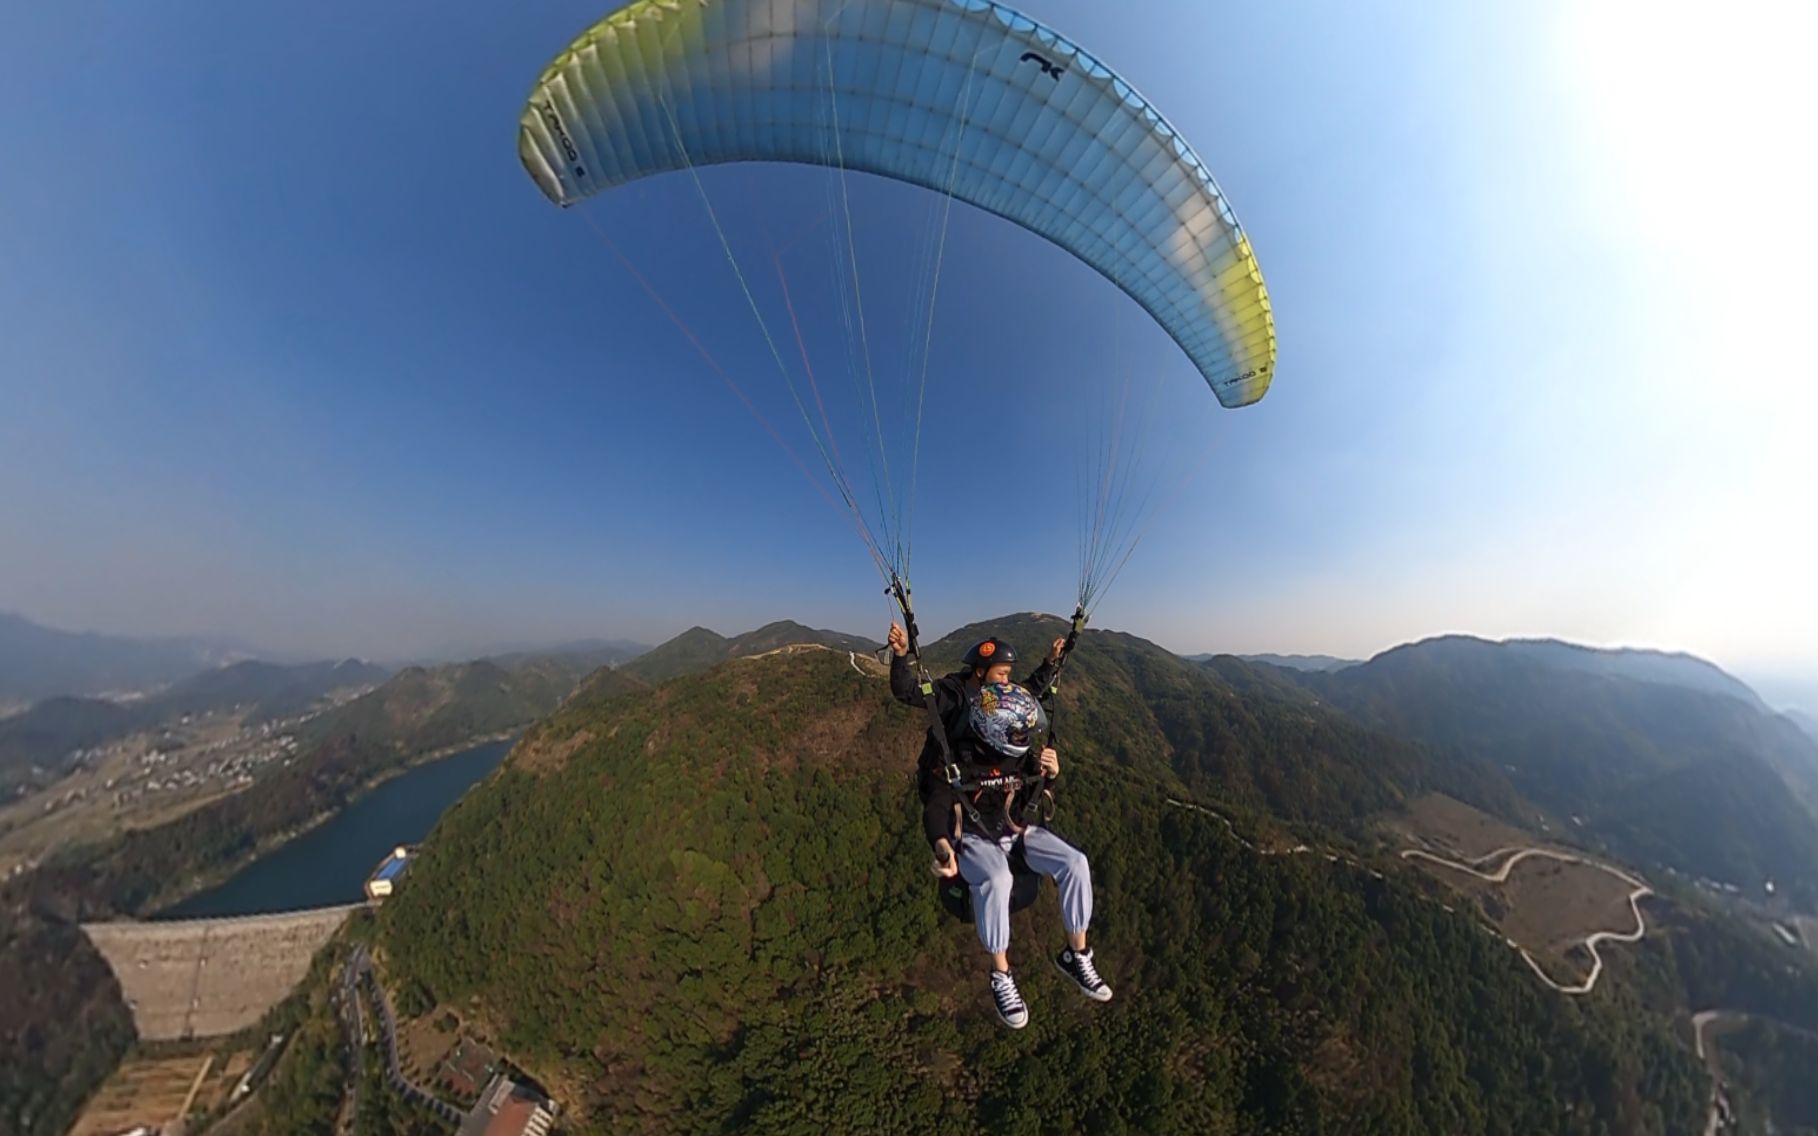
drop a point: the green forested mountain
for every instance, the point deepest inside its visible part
(1242, 733)
(63, 1023)
(697, 648)
(607, 682)
(1697, 959)
(1773, 1065)
(423, 709)
(1663, 774)
(787, 632)
(704, 907)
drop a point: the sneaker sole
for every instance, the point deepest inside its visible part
(999, 1010)
(1102, 995)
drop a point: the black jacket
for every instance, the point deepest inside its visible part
(950, 702)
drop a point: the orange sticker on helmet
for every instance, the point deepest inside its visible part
(987, 649)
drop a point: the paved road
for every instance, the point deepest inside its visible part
(1501, 875)
(360, 967)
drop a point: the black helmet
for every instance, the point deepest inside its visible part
(992, 652)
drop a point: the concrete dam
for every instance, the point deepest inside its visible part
(207, 977)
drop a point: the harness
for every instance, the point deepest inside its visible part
(1046, 697)
(1014, 787)
(969, 784)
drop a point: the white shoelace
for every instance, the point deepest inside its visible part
(1003, 988)
(1084, 965)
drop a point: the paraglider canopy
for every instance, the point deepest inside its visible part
(967, 97)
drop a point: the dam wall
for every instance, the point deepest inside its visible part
(206, 977)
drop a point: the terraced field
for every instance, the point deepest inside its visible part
(158, 1091)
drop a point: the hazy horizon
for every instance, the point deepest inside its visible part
(1780, 688)
(324, 373)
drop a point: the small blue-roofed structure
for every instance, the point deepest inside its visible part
(384, 879)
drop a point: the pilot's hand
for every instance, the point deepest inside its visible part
(946, 864)
(1050, 762)
(1054, 652)
(899, 640)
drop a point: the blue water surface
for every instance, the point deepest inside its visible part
(329, 864)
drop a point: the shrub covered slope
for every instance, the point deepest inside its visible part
(705, 907)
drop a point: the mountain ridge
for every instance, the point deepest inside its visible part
(702, 903)
(699, 648)
(1292, 662)
(38, 662)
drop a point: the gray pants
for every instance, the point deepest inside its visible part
(986, 867)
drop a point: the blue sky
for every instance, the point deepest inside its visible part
(291, 349)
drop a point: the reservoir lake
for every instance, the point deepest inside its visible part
(329, 863)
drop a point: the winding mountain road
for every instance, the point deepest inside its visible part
(360, 967)
(1501, 875)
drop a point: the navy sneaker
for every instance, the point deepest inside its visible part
(1010, 1008)
(1078, 967)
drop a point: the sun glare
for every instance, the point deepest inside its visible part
(1695, 127)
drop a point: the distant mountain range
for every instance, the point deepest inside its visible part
(39, 662)
(598, 652)
(1664, 757)
(698, 648)
(268, 690)
(1292, 662)
(35, 742)
(606, 650)
(45, 735)
(1673, 668)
